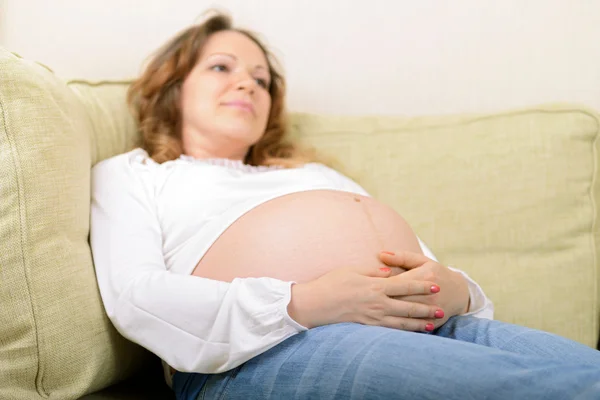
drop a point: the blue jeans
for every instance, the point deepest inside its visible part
(467, 358)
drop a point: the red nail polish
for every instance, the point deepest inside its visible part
(439, 314)
(435, 288)
(385, 269)
(429, 327)
(391, 253)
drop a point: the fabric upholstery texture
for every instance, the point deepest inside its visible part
(55, 339)
(509, 197)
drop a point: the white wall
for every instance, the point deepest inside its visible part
(352, 56)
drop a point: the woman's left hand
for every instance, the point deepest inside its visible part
(453, 296)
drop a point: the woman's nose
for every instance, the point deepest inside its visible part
(246, 82)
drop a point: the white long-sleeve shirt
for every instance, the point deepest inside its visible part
(150, 225)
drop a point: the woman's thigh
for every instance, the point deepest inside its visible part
(352, 361)
(517, 339)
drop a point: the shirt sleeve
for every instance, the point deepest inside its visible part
(192, 323)
(481, 306)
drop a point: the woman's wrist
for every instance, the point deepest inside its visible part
(464, 294)
(299, 308)
(467, 307)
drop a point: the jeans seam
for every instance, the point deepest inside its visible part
(228, 379)
(202, 394)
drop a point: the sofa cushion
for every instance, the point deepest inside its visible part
(511, 198)
(55, 339)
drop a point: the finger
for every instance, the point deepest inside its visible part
(423, 299)
(409, 287)
(419, 274)
(400, 308)
(380, 272)
(398, 271)
(403, 258)
(408, 324)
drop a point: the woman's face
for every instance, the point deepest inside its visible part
(225, 99)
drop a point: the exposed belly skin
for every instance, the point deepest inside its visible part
(301, 236)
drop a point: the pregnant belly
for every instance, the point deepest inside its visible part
(301, 236)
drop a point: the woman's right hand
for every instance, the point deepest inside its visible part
(365, 297)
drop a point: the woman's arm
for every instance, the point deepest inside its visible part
(192, 323)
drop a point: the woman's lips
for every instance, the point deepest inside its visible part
(244, 105)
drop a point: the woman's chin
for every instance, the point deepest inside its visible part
(242, 132)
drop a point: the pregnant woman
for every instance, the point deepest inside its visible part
(255, 272)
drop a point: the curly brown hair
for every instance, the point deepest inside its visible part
(154, 98)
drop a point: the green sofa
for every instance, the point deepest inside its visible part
(510, 197)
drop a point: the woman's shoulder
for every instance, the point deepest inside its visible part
(324, 168)
(316, 165)
(123, 161)
(123, 168)
(122, 180)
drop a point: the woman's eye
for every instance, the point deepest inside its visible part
(219, 68)
(262, 83)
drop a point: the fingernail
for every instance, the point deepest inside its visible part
(439, 314)
(435, 288)
(391, 253)
(385, 269)
(429, 327)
